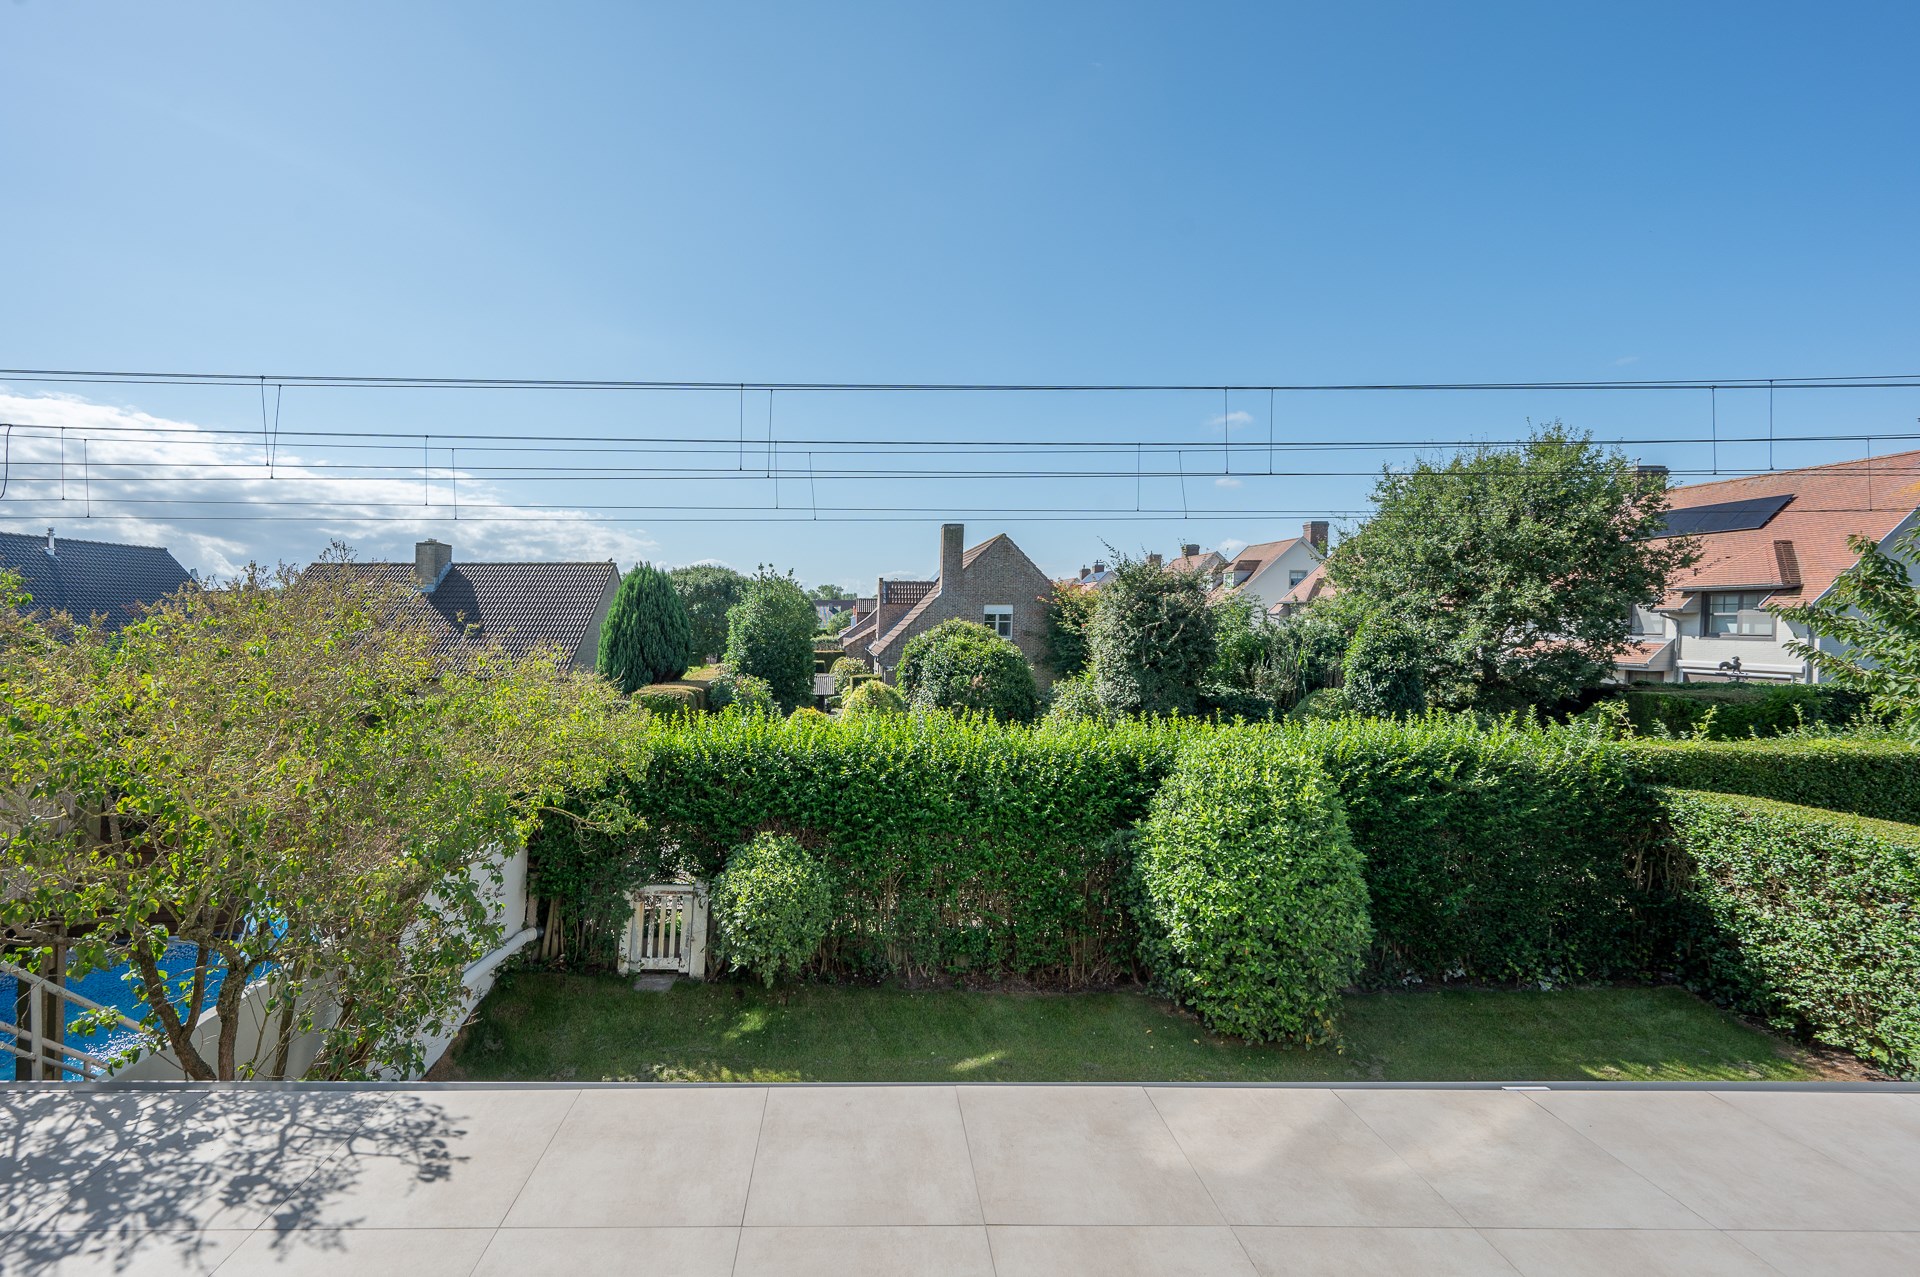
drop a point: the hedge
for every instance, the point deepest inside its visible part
(1867, 776)
(1253, 909)
(1808, 917)
(1729, 712)
(959, 849)
(1500, 853)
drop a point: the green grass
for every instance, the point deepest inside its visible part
(541, 1026)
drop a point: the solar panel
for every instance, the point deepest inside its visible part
(1725, 516)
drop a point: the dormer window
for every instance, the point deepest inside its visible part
(1738, 614)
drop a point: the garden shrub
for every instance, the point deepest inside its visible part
(1499, 852)
(771, 906)
(744, 692)
(1724, 711)
(1229, 703)
(871, 696)
(1326, 702)
(1152, 640)
(963, 665)
(1808, 917)
(846, 672)
(666, 698)
(1384, 668)
(1074, 700)
(962, 849)
(770, 636)
(646, 636)
(1867, 776)
(1253, 903)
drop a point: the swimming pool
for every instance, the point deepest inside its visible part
(109, 988)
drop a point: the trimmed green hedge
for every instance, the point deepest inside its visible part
(1810, 918)
(1502, 852)
(1867, 777)
(1253, 907)
(1737, 712)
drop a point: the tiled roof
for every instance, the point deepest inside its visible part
(88, 578)
(1797, 554)
(520, 606)
(904, 592)
(1202, 562)
(1267, 551)
(919, 608)
(1312, 586)
(1643, 654)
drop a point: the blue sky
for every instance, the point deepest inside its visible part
(982, 192)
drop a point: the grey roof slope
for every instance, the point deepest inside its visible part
(88, 578)
(520, 606)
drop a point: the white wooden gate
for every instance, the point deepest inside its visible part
(668, 930)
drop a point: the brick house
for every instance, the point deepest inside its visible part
(994, 583)
(1766, 542)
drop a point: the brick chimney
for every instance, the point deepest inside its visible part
(1153, 560)
(1085, 571)
(953, 548)
(1315, 531)
(1190, 551)
(431, 559)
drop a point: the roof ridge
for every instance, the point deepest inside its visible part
(41, 537)
(1783, 474)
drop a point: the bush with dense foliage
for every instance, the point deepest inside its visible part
(1521, 565)
(1866, 775)
(963, 665)
(1726, 711)
(1498, 852)
(771, 907)
(1070, 611)
(1074, 700)
(1807, 917)
(709, 593)
(770, 636)
(646, 637)
(743, 693)
(871, 696)
(1871, 621)
(1253, 904)
(847, 671)
(1278, 661)
(1153, 639)
(1386, 667)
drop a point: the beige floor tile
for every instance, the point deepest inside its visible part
(1117, 1251)
(123, 1254)
(1605, 1252)
(456, 1160)
(1504, 1162)
(1854, 1254)
(589, 1252)
(1078, 1155)
(1295, 1156)
(941, 1251)
(1874, 1134)
(1372, 1252)
(1733, 1171)
(646, 1157)
(862, 1155)
(363, 1252)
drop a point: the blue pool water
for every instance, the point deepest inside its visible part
(110, 989)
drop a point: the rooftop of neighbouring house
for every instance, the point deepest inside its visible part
(1785, 533)
(91, 578)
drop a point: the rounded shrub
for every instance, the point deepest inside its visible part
(745, 692)
(963, 665)
(772, 904)
(1076, 701)
(1385, 668)
(808, 714)
(846, 672)
(1253, 903)
(770, 636)
(873, 698)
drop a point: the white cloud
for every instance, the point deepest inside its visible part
(1226, 482)
(1232, 421)
(1624, 360)
(1230, 547)
(213, 479)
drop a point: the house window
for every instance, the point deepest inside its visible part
(1296, 576)
(999, 619)
(1739, 614)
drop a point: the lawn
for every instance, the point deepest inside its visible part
(540, 1026)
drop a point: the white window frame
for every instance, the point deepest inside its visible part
(998, 617)
(1745, 618)
(1297, 575)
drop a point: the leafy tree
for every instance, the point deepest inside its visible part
(846, 672)
(964, 665)
(824, 592)
(1278, 661)
(770, 635)
(1152, 641)
(837, 622)
(1522, 565)
(647, 637)
(1069, 617)
(1873, 614)
(1386, 667)
(284, 778)
(709, 593)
